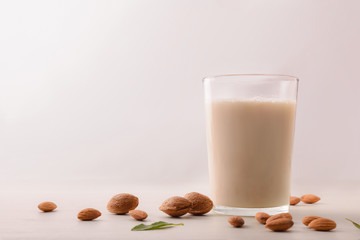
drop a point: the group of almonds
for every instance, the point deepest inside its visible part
(119, 204)
(199, 204)
(307, 198)
(283, 221)
(193, 203)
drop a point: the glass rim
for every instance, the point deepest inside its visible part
(284, 77)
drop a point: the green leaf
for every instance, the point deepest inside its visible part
(154, 226)
(355, 224)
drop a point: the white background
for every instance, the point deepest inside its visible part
(112, 89)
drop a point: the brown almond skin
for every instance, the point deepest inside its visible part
(261, 217)
(201, 204)
(47, 206)
(122, 203)
(308, 219)
(309, 198)
(277, 216)
(176, 206)
(88, 214)
(280, 224)
(236, 221)
(294, 200)
(138, 214)
(322, 224)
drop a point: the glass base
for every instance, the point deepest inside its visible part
(250, 211)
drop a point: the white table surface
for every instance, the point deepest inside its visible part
(20, 218)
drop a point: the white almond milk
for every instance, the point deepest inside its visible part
(250, 148)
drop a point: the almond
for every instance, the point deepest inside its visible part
(47, 206)
(236, 221)
(261, 217)
(176, 206)
(138, 214)
(277, 216)
(309, 198)
(280, 224)
(201, 203)
(122, 203)
(322, 224)
(88, 214)
(308, 219)
(294, 200)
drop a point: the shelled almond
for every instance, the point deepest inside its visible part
(47, 206)
(236, 221)
(294, 200)
(309, 198)
(261, 217)
(322, 224)
(279, 224)
(88, 214)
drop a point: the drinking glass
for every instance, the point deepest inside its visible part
(250, 122)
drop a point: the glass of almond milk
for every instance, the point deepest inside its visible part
(250, 130)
